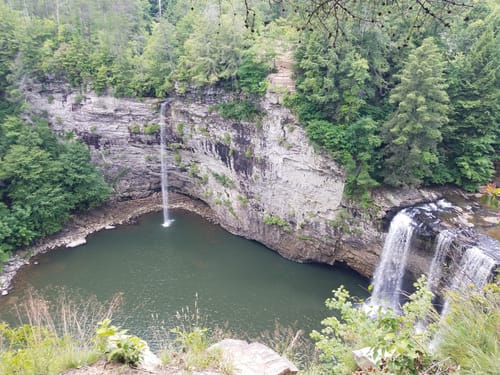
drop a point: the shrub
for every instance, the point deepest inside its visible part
(276, 220)
(117, 345)
(392, 337)
(223, 180)
(58, 336)
(177, 159)
(191, 341)
(194, 169)
(135, 129)
(242, 199)
(151, 129)
(238, 110)
(180, 129)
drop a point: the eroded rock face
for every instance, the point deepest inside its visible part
(263, 180)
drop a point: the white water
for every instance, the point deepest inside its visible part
(164, 173)
(474, 269)
(443, 242)
(388, 277)
(473, 272)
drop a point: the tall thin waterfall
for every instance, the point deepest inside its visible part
(164, 173)
(388, 277)
(443, 243)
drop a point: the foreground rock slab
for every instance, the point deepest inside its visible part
(254, 358)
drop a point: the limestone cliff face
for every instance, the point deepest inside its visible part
(263, 180)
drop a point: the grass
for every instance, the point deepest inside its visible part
(187, 345)
(470, 333)
(293, 344)
(52, 338)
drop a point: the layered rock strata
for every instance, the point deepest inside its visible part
(262, 179)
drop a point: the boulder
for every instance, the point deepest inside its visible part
(77, 242)
(254, 358)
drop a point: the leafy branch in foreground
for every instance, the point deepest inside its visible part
(392, 340)
(118, 345)
(465, 341)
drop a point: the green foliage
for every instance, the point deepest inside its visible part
(33, 350)
(188, 351)
(223, 180)
(389, 336)
(490, 195)
(242, 199)
(465, 341)
(251, 76)
(151, 129)
(238, 110)
(413, 132)
(210, 46)
(177, 159)
(41, 182)
(352, 99)
(227, 139)
(118, 345)
(180, 129)
(194, 169)
(470, 331)
(342, 221)
(343, 89)
(135, 129)
(58, 337)
(193, 343)
(276, 220)
(472, 137)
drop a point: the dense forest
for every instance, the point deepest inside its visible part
(398, 99)
(401, 93)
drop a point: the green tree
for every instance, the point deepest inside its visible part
(472, 139)
(213, 50)
(42, 181)
(412, 134)
(9, 47)
(153, 75)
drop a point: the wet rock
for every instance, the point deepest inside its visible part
(77, 242)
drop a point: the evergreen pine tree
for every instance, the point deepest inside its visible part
(413, 132)
(472, 138)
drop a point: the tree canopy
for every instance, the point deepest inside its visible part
(401, 93)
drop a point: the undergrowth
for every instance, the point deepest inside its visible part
(52, 337)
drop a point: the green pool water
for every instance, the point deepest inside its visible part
(236, 282)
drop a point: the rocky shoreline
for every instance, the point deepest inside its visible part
(107, 216)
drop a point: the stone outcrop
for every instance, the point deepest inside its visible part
(253, 359)
(263, 180)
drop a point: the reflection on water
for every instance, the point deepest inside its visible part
(161, 270)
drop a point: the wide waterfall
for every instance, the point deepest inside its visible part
(388, 277)
(164, 173)
(425, 239)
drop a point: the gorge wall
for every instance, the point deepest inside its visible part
(262, 179)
